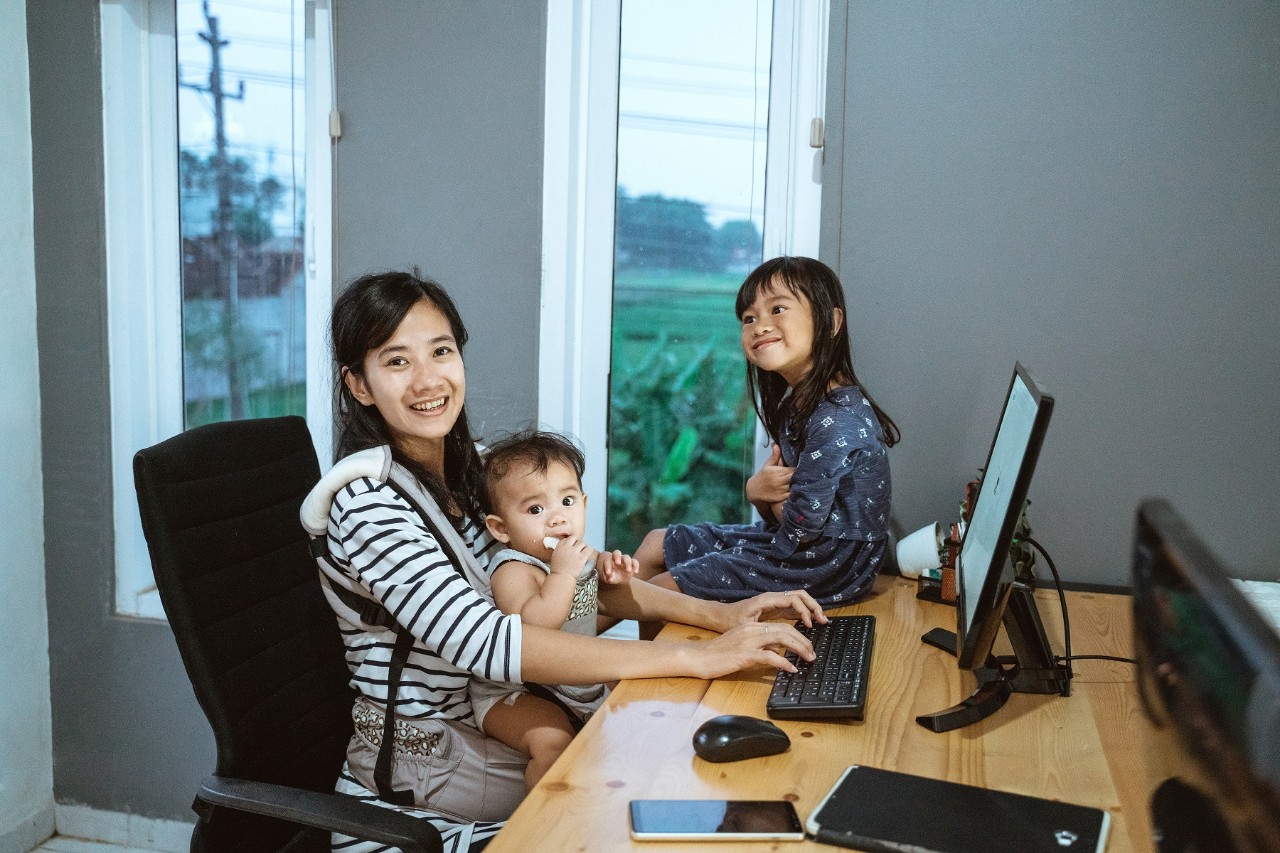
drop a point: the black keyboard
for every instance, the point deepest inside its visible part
(834, 684)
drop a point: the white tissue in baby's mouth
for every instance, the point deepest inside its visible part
(551, 542)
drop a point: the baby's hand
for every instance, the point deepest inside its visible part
(616, 567)
(570, 556)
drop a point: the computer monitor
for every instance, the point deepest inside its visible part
(988, 593)
(1209, 681)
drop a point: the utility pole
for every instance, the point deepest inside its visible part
(224, 232)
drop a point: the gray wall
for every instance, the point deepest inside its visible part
(1092, 188)
(440, 166)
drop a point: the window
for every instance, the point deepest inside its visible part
(215, 120)
(726, 88)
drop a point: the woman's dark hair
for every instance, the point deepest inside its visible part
(531, 449)
(832, 357)
(365, 316)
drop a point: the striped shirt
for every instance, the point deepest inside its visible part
(380, 546)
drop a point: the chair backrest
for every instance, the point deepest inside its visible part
(219, 506)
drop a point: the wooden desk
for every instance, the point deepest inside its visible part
(1085, 748)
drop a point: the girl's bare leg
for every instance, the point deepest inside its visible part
(649, 555)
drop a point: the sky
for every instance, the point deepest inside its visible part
(693, 97)
(693, 102)
(264, 50)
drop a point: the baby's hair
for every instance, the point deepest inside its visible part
(832, 357)
(529, 449)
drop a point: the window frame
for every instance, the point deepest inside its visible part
(579, 188)
(144, 260)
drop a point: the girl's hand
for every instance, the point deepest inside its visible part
(616, 567)
(570, 556)
(756, 644)
(796, 604)
(770, 487)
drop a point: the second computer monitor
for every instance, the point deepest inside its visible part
(984, 578)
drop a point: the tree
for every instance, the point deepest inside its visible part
(657, 232)
(739, 244)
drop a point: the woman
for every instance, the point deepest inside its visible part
(401, 384)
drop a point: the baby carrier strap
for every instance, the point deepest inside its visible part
(376, 463)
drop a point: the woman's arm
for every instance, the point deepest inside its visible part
(557, 657)
(646, 602)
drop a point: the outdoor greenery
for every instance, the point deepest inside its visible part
(271, 402)
(230, 270)
(681, 428)
(655, 232)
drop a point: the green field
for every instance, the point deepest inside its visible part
(290, 399)
(681, 427)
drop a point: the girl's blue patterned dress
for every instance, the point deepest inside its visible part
(835, 527)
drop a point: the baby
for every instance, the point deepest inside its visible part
(547, 574)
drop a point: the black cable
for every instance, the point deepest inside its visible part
(1066, 625)
(1062, 600)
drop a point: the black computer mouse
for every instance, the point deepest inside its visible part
(733, 737)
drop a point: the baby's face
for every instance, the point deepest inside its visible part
(533, 506)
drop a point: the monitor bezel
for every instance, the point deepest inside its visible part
(974, 640)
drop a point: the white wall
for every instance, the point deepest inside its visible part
(26, 739)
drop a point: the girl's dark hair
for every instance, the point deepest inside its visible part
(832, 357)
(365, 316)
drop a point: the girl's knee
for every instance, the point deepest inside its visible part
(649, 555)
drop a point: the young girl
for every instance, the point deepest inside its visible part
(824, 493)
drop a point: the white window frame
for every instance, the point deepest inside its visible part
(143, 253)
(579, 187)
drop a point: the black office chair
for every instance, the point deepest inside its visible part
(219, 507)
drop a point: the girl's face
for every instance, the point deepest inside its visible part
(417, 382)
(777, 333)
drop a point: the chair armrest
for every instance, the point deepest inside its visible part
(332, 812)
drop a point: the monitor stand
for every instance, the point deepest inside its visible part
(1031, 669)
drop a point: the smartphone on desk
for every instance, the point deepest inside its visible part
(715, 820)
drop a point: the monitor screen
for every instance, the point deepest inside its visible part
(1209, 680)
(984, 578)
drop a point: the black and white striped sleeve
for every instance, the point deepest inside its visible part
(393, 555)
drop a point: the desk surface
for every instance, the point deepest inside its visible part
(1083, 749)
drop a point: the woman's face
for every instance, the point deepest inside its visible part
(417, 382)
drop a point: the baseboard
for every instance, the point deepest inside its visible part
(30, 833)
(126, 830)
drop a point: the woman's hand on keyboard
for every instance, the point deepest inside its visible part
(794, 605)
(753, 644)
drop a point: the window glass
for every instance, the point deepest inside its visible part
(241, 182)
(692, 118)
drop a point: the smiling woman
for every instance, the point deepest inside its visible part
(406, 573)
